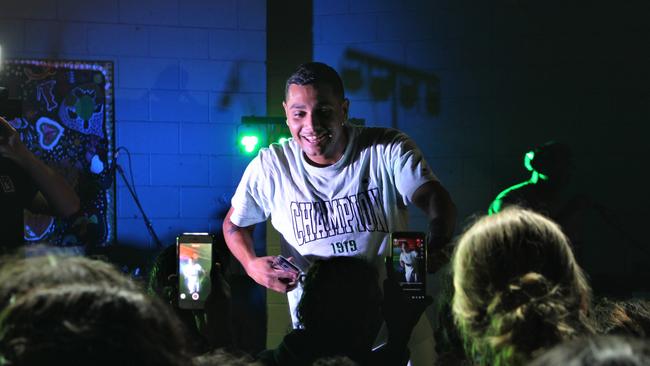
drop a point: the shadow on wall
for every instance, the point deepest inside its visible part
(232, 85)
(385, 80)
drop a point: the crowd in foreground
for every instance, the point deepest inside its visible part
(515, 296)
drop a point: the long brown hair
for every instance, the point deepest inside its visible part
(517, 287)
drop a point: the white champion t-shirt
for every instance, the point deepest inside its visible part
(348, 208)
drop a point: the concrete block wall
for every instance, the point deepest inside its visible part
(442, 39)
(409, 35)
(513, 75)
(185, 73)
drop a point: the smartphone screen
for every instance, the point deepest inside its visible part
(194, 266)
(408, 258)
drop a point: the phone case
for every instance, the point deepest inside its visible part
(283, 263)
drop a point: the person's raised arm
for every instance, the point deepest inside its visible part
(435, 201)
(240, 242)
(58, 197)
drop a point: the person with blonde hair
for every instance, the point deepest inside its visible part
(517, 288)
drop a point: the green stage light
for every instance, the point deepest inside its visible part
(256, 132)
(249, 142)
(251, 137)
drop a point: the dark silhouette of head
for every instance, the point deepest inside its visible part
(554, 161)
(75, 310)
(82, 324)
(517, 287)
(335, 361)
(221, 357)
(341, 303)
(19, 275)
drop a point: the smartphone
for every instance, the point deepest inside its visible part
(408, 256)
(194, 254)
(283, 263)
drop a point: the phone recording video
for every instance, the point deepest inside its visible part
(194, 266)
(408, 259)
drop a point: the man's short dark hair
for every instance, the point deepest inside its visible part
(316, 73)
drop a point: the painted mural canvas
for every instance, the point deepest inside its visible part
(68, 122)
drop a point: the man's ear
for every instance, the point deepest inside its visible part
(345, 107)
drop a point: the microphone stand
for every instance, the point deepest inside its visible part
(147, 223)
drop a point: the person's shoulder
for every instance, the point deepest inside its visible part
(279, 152)
(379, 135)
(278, 157)
(378, 131)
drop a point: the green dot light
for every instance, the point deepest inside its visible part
(249, 142)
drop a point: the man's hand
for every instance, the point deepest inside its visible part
(240, 242)
(261, 270)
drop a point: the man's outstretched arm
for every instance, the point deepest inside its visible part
(240, 242)
(435, 201)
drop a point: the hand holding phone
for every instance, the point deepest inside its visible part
(285, 264)
(262, 271)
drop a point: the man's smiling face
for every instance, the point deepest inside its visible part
(315, 117)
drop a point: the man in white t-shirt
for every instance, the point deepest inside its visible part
(409, 260)
(333, 189)
(192, 271)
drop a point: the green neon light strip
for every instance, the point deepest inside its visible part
(534, 178)
(527, 160)
(496, 204)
